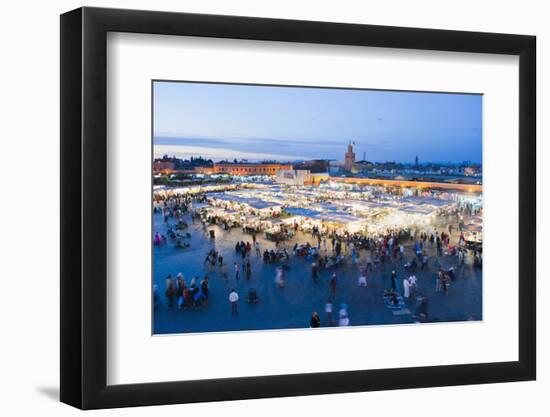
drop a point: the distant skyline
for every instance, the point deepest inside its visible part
(228, 121)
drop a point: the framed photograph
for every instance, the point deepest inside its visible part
(256, 208)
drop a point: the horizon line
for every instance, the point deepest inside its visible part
(280, 161)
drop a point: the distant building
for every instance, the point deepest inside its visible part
(293, 177)
(416, 161)
(204, 170)
(472, 170)
(165, 167)
(300, 177)
(171, 164)
(359, 166)
(249, 168)
(349, 158)
(315, 166)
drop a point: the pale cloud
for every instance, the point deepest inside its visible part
(186, 151)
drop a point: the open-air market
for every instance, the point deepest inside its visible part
(252, 233)
(383, 254)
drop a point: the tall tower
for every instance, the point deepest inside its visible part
(349, 158)
(416, 161)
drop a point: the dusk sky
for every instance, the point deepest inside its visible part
(224, 121)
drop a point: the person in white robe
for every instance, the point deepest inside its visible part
(406, 288)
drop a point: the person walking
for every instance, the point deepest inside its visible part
(328, 311)
(180, 284)
(170, 291)
(446, 284)
(204, 287)
(280, 277)
(406, 288)
(413, 285)
(369, 263)
(333, 285)
(393, 281)
(236, 266)
(424, 264)
(343, 315)
(439, 282)
(314, 272)
(362, 281)
(233, 299)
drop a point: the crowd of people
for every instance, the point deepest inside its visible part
(329, 251)
(179, 293)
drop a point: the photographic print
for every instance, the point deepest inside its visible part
(297, 207)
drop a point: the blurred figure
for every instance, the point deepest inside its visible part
(343, 314)
(233, 299)
(333, 285)
(406, 288)
(413, 285)
(328, 311)
(315, 320)
(280, 277)
(314, 272)
(362, 280)
(170, 291)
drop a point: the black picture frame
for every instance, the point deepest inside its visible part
(84, 207)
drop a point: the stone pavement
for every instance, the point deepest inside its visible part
(292, 306)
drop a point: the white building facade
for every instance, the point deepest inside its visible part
(294, 177)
